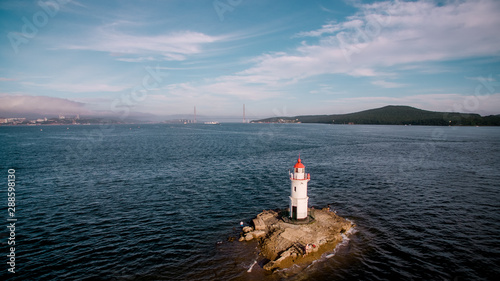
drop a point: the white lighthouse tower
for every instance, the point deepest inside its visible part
(298, 196)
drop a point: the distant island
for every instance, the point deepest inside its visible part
(393, 115)
(284, 242)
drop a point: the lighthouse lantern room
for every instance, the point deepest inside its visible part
(298, 196)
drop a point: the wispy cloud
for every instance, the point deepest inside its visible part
(482, 79)
(228, 87)
(174, 46)
(390, 35)
(79, 87)
(7, 79)
(328, 28)
(387, 34)
(395, 33)
(386, 84)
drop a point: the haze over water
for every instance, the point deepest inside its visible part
(154, 202)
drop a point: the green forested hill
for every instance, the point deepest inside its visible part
(394, 115)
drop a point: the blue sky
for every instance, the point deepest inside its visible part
(128, 58)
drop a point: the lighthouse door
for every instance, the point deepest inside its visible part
(294, 212)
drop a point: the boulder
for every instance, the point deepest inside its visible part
(265, 219)
(259, 234)
(247, 229)
(259, 224)
(248, 236)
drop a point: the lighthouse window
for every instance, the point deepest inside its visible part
(294, 188)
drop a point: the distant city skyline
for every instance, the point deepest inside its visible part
(277, 58)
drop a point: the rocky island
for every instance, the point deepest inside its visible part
(285, 242)
(298, 234)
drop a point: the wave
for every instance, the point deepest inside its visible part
(344, 242)
(251, 266)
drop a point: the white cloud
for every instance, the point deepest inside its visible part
(223, 87)
(386, 84)
(387, 34)
(79, 88)
(23, 104)
(3, 79)
(396, 33)
(328, 28)
(363, 72)
(482, 79)
(380, 36)
(136, 48)
(138, 59)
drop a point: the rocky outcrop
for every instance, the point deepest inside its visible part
(284, 242)
(249, 233)
(247, 229)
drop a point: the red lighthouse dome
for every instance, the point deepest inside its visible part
(299, 164)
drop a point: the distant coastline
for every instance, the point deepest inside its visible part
(393, 115)
(388, 115)
(59, 121)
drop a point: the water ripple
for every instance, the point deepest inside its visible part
(159, 202)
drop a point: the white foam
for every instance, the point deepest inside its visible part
(250, 268)
(344, 242)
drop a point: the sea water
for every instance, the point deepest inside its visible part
(159, 201)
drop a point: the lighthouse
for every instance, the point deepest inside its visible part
(298, 194)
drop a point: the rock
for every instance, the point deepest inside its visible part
(259, 234)
(247, 229)
(267, 215)
(259, 224)
(241, 239)
(248, 236)
(284, 256)
(264, 219)
(269, 266)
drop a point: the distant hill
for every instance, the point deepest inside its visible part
(394, 115)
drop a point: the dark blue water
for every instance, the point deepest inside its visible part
(158, 202)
